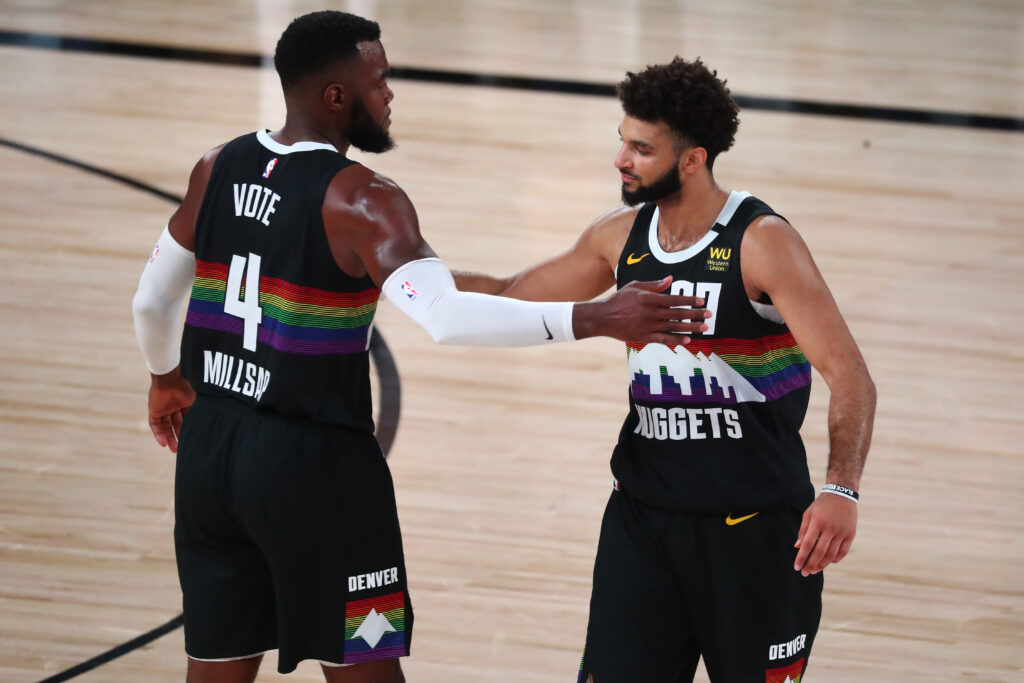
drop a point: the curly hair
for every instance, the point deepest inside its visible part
(315, 41)
(689, 98)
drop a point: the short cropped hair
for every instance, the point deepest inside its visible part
(315, 41)
(689, 98)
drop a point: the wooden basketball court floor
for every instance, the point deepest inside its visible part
(501, 456)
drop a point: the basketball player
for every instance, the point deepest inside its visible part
(712, 543)
(286, 532)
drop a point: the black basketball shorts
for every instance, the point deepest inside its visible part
(670, 588)
(287, 538)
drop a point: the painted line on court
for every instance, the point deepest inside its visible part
(114, 653)
(390, 405)
(96, 170)
(551, 85)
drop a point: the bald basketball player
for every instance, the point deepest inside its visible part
(713, 542)
(286, 532)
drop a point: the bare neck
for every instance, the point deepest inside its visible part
(299, 127)
(687, 216)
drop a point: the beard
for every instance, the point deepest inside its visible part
(665, 186)
(366, 134)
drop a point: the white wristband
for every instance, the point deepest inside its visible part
(842, 491)
(425, 291)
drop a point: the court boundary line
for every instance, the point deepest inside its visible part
(931, 117)
(387, 422)
(96, 170)
(118, 651)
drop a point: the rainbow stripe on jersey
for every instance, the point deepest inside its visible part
(773, 366)
(296, 319)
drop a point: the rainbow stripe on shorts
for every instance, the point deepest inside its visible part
(375, 629)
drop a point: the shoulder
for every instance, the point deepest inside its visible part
(363, 204)
(772, 254)
(356, 184)
(770, 233)
(611, 229)
(619, 218)
(204, 167)
(182, 223)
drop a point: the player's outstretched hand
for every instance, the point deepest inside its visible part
(170, 397)
(826, 533)
(641, 313)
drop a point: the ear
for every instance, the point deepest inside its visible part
(693, 160)
(335, 96)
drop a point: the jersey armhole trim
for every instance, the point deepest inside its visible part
(766, 311)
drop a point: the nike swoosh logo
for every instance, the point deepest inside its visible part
(733, 521)
(550, 336)
(631, 259)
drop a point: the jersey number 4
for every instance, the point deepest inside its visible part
(247, 309)
(709, 291)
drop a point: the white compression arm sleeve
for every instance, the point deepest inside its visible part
(425, 291)
(164, 284)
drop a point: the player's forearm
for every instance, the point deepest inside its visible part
(479, 282)
(851, 418)
(163, 287)
(426, 291)
(538, 283)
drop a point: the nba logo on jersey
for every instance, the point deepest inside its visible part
(270, 167)
(409, 291)
(156, 251)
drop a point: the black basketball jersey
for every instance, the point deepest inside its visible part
(713, 426)
(273, 321)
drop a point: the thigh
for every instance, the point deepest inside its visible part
(325, 514)
(762, 615)
(638, 629)
(227, 591)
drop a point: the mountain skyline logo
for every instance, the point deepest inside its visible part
(373, 628)
(658, 373)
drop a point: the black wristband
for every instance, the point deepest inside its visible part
(838, 490)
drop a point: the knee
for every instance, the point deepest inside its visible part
(234, 671)
(386, 671)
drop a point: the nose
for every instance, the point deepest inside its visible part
(623, 160)
(389, 96)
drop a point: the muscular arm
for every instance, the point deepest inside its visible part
(167, 277)
(776, 262)
(372, 228)
(182, 224)
(371, 225)
(583, 272)
(163, 287)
